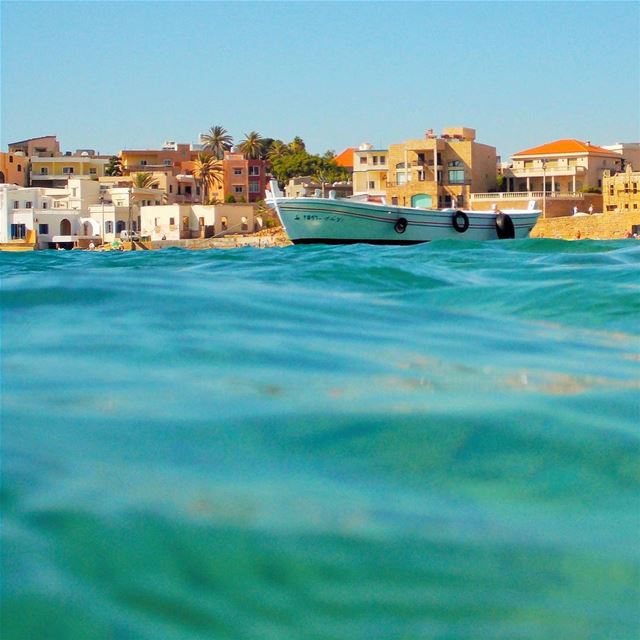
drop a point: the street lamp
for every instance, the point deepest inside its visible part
(544, 187)
(102, 229)
(129, 223)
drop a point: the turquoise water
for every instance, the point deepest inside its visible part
(438, 441)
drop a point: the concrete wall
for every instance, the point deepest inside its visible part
(599, 226)
(554, 207)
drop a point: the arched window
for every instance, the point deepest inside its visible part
(65, 227)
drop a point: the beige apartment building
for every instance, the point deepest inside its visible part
(565, 166)
(439, 171)
(370, 169)
(621, 191)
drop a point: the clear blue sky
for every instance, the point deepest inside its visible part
(113, 75)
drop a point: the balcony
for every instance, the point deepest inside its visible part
(528, 195)
(149, 167)
(548, 171)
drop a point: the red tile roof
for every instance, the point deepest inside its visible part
(565, 146)
(345, 159)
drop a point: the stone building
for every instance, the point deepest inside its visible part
(621, 191)
(440, 171)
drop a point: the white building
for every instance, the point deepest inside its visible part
(24, 209)
(630, 151)
(181, 221)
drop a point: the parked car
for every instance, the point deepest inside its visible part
(124, 235)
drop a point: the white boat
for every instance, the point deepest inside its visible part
(317, 220)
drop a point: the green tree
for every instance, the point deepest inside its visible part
(207, 171)
(114, 166)
(217, 141)
(297, 145)
(278, 150)
(266, 145)
(251, 146)
(144, 181)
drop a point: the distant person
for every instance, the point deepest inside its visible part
(590, 209)
(575, 210)
(91, 246)
(578, 235)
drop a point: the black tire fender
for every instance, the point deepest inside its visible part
(460, 221)
(504, 227)
(401, 225)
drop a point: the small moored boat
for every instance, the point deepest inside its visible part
(309, 220)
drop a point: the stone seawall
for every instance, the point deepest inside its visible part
(599, 226)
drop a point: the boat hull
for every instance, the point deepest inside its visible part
(333, 221)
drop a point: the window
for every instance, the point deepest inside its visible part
(167, 163)
(172, 221)
(120, 226)
(374, 159)
(454, 163)
(170, 188)
(44, 171)
(67, 169)
(372, 184)
(45, 205)
(456, 176)
(143, 163)
(363, 159)
(237, 172)
(28, 204)
(254, 187)
(43, 228)
(18, 231)
(237, 189)
(10, 158)
(254, 171)
(383, 159)
(421, 158)
(19, 167)
(108, 226)
(16, 204)
(92, 171)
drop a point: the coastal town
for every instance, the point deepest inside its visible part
(212, 193)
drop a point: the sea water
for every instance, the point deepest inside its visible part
(357, 442)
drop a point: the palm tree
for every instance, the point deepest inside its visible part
(217, 140)
(251, 146)
(144, 181)
(208, 172)
(278, 150)
(297, 145)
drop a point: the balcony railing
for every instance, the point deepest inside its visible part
(441, 183)
(528, 195)
(548, 171)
